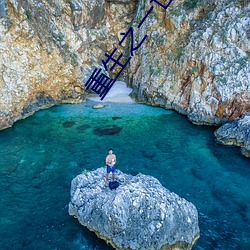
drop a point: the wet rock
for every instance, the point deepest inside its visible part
(82, 128)
(114, 118)
(68, 124)
(236, 133)
(98, 106)
(140, 202)
(108, 130)
(41, 101)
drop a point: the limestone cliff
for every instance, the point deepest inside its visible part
(196, 59)
(48, 49)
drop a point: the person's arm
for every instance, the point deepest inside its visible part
(107, 160)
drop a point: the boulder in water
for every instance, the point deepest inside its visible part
(68, 124)
(236, 133)
(139, 214)
(108, 130)
(98, 106)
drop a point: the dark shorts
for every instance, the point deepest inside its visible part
(110, 169)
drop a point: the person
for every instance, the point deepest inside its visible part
(110, 164)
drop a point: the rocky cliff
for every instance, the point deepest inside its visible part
(195, 59)
(140, 214)
(48, 49)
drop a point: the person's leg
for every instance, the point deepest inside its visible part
(107, 175)
(113, 173)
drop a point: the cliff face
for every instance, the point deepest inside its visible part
(48, 49)
(195, 59)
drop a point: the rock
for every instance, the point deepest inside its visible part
(78, 89)
(236, 133)
(140, 214)
(68, 124)
(98, 106)
(108, 130)
(53, 48)
(82, 128)
(114, 118)
(195, 59)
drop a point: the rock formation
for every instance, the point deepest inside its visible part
(195, 59)
(140, 214)
(48, 49)
(236, 133)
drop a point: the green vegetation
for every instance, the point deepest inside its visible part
(179, 53)
(194, 69)
(161, 40)
(74, 60)
(175, 12)
(28, 14)
(190, 4)
(151, 69)
(158, 71)
(60, 37)
(222, 79)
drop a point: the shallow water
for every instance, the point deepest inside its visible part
(39, 156)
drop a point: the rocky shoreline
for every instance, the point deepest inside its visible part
(236, 133)
(140, 214)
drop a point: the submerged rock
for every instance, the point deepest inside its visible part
(236, 133)
(114, 118)
(82, 128)
(68, 124)
(109, 130)
(140, 214)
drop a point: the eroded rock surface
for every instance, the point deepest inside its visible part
(236, 133)
(195, 59)
(140, 214)
(48, 50)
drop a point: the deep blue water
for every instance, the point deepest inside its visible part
(39, 156)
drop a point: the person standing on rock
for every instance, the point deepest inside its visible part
(110, 164)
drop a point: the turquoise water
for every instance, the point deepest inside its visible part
(39, 156)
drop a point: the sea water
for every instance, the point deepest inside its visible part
(39, 156)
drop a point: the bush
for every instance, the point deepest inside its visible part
(28, 14)
(190, 4)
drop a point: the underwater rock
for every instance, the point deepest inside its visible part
(82, 128)
(68, 124)
(148, 153)
(236, 133)
(140, 202)
(114, 118)
(108, 130)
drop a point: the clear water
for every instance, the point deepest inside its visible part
(39, 156)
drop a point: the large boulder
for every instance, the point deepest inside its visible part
(236, 133)
(140, 214)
